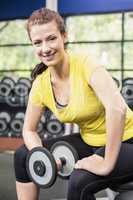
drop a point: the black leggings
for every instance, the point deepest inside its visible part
(82, 184)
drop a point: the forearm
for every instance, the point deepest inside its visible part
(115, 122)
(31, 139)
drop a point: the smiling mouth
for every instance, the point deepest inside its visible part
(48, 56)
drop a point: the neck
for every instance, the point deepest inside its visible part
(60, 71)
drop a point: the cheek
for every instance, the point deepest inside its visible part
(37, 51)
(59, 44)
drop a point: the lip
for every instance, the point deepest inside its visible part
(49, 57)
(46, 56)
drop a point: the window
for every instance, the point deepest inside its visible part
(108, 37)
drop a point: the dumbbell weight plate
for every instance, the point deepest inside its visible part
(4, 89)
(41, 167)
(25, 80)
(54, 127)
(3, 127)
(6, 116)
(20, 115)
(9, 81)
(16, 126)
(64, 149)
(127, 91)
(13, 101)
(21, 89)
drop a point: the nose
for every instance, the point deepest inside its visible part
(46, 49)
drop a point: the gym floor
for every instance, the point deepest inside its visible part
(7, 183)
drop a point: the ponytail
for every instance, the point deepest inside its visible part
(39, 68)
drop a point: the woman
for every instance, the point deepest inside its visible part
(77, 90)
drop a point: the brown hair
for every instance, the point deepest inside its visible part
(39, 17)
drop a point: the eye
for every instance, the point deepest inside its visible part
(52, 38)
(37, 43)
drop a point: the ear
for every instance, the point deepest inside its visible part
(64, 37)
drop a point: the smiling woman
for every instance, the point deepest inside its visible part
(48, 43)
(77, 90)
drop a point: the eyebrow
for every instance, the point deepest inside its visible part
(48, 37)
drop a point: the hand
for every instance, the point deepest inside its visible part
(59, 164)
(95, 164)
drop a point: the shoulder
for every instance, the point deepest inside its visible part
(40, 79)
(84, 58)
(84, 62)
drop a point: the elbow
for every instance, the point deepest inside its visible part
(23, 132)
(26, 131)
(124, 110)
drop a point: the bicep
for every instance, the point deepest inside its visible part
(32, 116)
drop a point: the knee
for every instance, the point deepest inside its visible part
(78, 180)
(80, 185)
(20, 164)
(20, 156)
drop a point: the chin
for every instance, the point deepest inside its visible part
(51, 63)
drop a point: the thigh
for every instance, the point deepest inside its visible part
(83, 183)
(123, 170)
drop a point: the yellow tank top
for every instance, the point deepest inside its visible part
(84, 108)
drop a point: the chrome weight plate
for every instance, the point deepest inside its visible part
(66, 152)
(41, 167)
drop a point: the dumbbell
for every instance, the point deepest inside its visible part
(9, 81)
(54, 127)
(5, 119)
(16, 124)
(26, 81)
(42, 167)
(40, 128)
(4, 90)
(21, 90)
(6, 86)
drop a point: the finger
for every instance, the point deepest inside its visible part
(78, 165)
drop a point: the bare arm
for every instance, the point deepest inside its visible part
(115, 110)
(32, 117)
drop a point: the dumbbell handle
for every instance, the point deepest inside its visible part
(60, 162)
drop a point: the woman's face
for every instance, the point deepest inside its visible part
(48, 43)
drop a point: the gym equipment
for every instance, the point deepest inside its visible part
(17, 124)
(26, 81)
(128, 80)
(41, 164)
(40, 127)
(9, 81)
(6, 87)
(21, 90)
(121, 192)
(67, 154)
(54, 127)
(12, 101)
(125, 191)
(5, 119)
(3, 127)
(4, 90)
(127, 91)
(6, 116)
